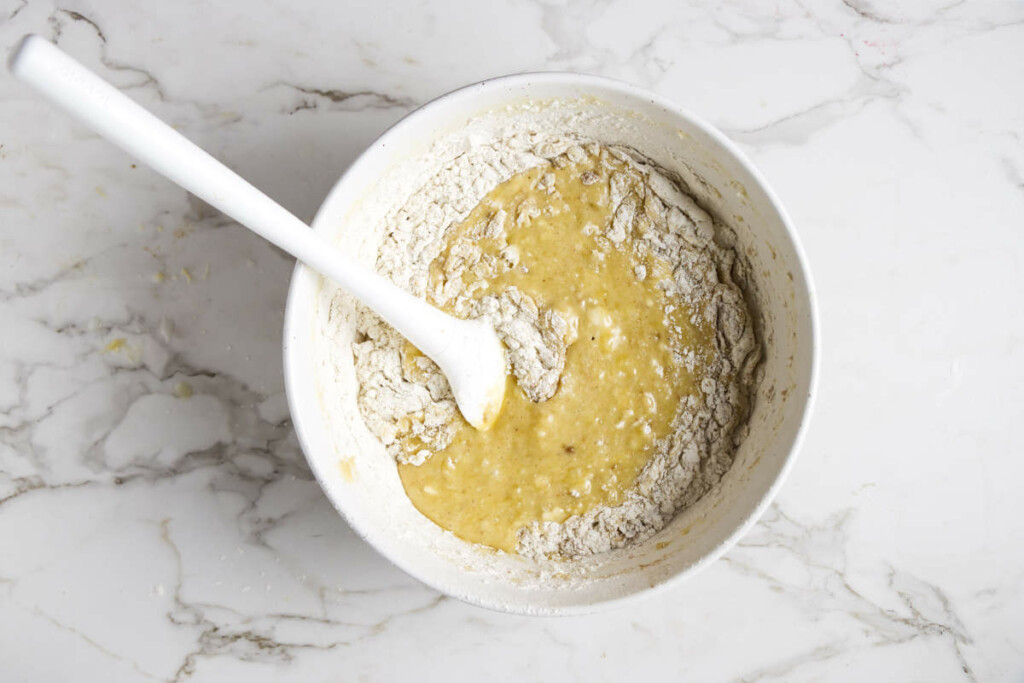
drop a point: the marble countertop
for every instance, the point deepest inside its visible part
(158, 520)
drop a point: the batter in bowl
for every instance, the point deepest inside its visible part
(632, 354)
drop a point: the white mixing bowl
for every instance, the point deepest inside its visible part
(359, 477)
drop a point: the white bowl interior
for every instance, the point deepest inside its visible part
(361, 479)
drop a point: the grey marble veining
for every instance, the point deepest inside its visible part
(158, 520)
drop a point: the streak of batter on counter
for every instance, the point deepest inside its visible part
(624, 309)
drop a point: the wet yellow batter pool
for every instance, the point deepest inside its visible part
(620, 388)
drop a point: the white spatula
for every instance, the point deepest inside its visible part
(468, 352)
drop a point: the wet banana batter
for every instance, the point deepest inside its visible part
(580, 423)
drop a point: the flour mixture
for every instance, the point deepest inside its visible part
(630, 343)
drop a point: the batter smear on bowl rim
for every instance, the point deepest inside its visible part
(631, 344)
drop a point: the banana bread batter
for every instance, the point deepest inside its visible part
(550, 457)
(631, 349)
